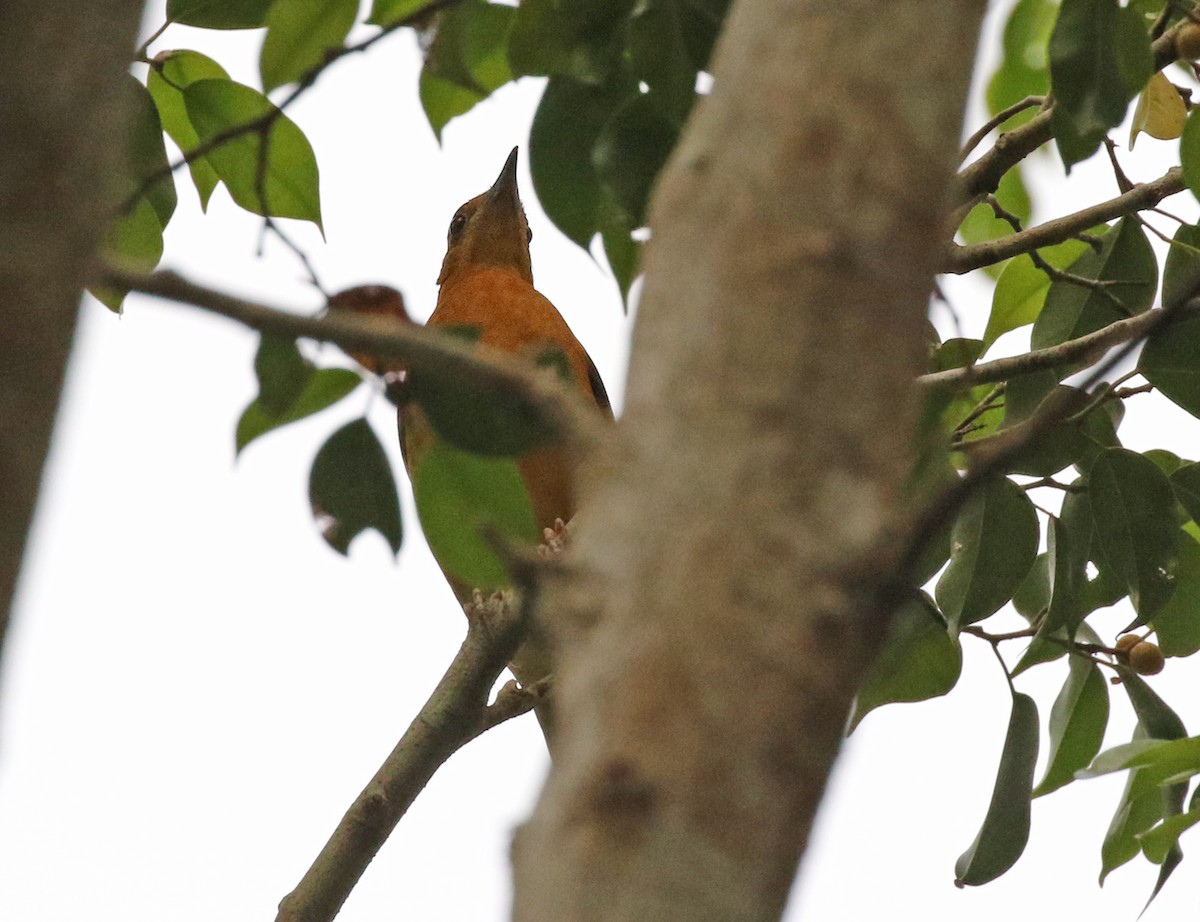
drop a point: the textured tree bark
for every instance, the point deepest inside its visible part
(60, 67)
(729, 605)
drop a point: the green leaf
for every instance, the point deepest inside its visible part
(565, 128)
(1033, 595)
(1158, 842)
(1166, 461)
(147, 154)
(170, 73)
(299, 34)
(1068, 573)
(459, 498)
(325, 388)
(1136, 812)
(631, 150)
(351, 488)
(1181, 271)
(1169, 362)
(1128, 271)
(1189, 153)
(1023, 71)
(1046, 648)
(1133, 510)
(981, 223)
(1177, 623)
(467, 61)
(386, 12)
(134, 241)
(1077, 723)
(1005, 829)
(1099, 60)
(582, 39)
(290, 181)
(1021, 289)
(219, 14)
(918, 660)
(993, 544)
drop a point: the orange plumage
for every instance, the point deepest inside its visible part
(486, 282)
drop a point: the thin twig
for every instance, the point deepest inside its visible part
(962, 259)
(456, 713)
(1131, 328)
(419, 349)
(996, 121)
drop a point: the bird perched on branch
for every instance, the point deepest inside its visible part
(486, 284)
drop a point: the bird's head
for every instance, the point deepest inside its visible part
(490, 230)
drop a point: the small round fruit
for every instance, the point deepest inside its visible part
(1146, 659)
(1126, 642)
(1187, 41)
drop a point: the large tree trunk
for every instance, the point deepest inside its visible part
(60, 67)
(729, 610)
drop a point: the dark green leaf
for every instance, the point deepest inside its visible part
(290, 184)
(1046, 648)
(1133, 510)
(992, 546)
(1077, 723)
(630, 151)
(478, 421)
(351, 488)
(219, 14)
(1177, 623)
(1154, 714)
(1128, 272)
(956, 353)
(1033, 595)
(1186, 483)
(460, 497)
(1171, 362)
(170, 73)
(1099, 60)
(325, 388)
(1166, 461)
(299, 34)
(582, 39)
(918, 660)
(565, 128)
(1005, 829)
(1068, 574)
(282, 373)
(659, 55)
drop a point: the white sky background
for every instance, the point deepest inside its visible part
(197, 688)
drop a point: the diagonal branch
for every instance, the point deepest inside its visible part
(962, 259)
(417, 348)
(983, 175)
(1129, 329)
(456, 713)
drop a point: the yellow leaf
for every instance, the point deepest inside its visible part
(1160, 111)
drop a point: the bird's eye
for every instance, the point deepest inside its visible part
(529, 235)
(457, 224)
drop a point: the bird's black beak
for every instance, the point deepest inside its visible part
(504, 189)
